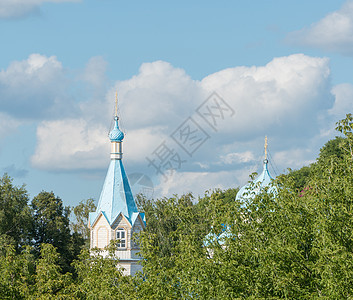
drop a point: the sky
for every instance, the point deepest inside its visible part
(200, 84)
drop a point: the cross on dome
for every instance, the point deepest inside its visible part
(262, 181)
(116, 135)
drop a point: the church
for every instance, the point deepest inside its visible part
(264, 180)
(245, 194)
(117, 216)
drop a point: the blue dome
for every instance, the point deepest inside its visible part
(264, 180)
(116, 135)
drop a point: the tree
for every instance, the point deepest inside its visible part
(81, 212)
(172, 245)
(51, 226)
(293, 243)
(15, 217)
(345, 126)
(16, 272)
(50, 282)
(98, 276)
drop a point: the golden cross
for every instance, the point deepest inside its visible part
(266, 147)
(116, 103)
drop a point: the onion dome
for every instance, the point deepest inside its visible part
(250, 190)
(116, 135)
(263, 180)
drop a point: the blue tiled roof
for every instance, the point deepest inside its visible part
(116, 196)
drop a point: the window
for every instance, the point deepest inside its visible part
(121, 236)
(102, 239)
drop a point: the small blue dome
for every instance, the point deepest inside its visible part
(264, 180)
(116, 135)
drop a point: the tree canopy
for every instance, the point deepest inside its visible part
(294, 242)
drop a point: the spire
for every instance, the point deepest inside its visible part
(116, 135)
(116, 104)
(116, 197)
(266, 160)
(263, 180)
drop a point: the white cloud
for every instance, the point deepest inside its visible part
(237, 158)
(20, 8)
(334, 32)
(7, 125)
(35, 88)
(344, 100)
(289, 99)
(294, 158)
(286, 93)
(200, 182)
(195, 182)
(94, 72)
(156, 93)
(14, 171)
(70, 145)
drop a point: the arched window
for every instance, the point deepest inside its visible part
(121, 236)
(102, 239)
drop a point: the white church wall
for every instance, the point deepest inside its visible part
(101, 234)
(130, 268)
(135, 268)
(102, 237)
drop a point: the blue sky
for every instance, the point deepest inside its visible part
(283, 67)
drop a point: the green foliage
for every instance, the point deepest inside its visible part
(81, 212)
(51, 226)
(298, 178)
(172, 243)
(16, 272)
(15, 217)
(345, 126)
(333, 149)
(295, 243)
(98, 275)
(50, 282)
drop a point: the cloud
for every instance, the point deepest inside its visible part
(7, 125)
(343, 104)
(70, 144)
(13, 171)
(286, 93)
(294, 158)
(289, 99)
(35, 88)
(158, 91)
(200, 182)
(94, 73)
(20, 8)
(195, 182)
(237, 158)
(333, 33)
(40, 88)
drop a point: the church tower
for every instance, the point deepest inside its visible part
(117, 216)
(262, 181)
(247, 192)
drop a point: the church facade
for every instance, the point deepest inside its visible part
(117, 216)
